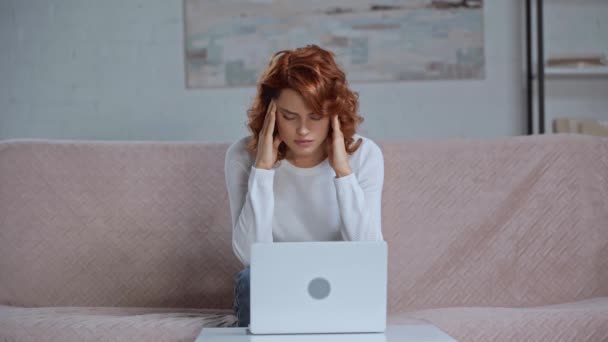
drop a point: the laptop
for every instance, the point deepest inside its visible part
(318, 287)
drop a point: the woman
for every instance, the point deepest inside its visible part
(301, 176)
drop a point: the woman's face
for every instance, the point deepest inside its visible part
(296, 123)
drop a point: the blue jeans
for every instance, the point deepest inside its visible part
(241, 297)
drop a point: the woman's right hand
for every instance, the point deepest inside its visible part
(268, 145)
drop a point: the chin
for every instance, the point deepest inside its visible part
(303, 151)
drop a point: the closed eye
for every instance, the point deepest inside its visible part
(291, 116)
(315, 117)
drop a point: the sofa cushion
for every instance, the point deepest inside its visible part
(107, 323)
(581, 321)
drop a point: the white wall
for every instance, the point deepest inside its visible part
(84, 69)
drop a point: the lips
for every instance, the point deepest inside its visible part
(304, 143)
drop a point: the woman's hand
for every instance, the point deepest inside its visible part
(268, 145)
(336, 151)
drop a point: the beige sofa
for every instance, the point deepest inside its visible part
(501, 239)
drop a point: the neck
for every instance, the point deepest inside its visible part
(306, 161)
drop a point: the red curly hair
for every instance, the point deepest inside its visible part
(313, 73)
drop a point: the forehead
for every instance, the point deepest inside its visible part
(292, 101)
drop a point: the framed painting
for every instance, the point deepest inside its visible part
(228, 43)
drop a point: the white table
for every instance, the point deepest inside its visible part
(394, 333)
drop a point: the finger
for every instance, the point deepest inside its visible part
(334, 126)
(264, 131)
(272, 120)
(277, 141)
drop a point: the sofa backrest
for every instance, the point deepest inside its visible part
(504, 222)
(518, 221)
(114, 224)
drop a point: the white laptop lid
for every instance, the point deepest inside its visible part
(318, 287)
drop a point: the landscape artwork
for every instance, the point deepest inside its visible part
(228, 43)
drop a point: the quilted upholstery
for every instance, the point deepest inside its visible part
(517, 221)
(584, 320)
(491, 239)
(114, 224)
(106, 324)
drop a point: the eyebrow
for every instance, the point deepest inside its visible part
(290, 112)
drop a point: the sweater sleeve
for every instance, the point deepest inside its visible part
(360, 198)
(251, 197)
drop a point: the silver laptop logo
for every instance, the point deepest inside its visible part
(319, 288)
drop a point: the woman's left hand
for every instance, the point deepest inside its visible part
(336, 151)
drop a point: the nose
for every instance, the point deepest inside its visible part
(302, 129)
